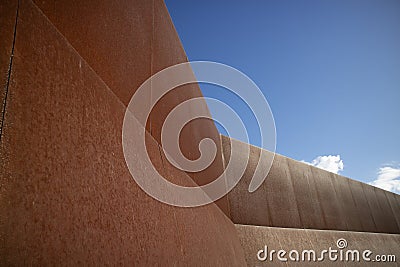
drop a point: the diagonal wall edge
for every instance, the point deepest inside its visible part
(67, 196)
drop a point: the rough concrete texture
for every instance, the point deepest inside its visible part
(394, 202)
(297, 195)
(67, 196)
(255, 238)
(306, 195)
(330, 204)
(259, 213)
(8, 15)
(363, 210)
(124, 43)
(347, 204)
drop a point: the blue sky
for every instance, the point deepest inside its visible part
(330, 71)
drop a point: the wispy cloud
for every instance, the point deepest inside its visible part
(388, 179)
(329, 163)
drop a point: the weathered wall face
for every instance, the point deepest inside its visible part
(254, 238)
(67, 195)
(125, 42)
(8, 12)
(296, 195)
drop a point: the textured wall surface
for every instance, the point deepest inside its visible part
(67, 196)
(126, 41)
(255, 238)
(8, 14)
(297, 195)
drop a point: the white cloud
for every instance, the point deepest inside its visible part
(388, 179)
(329, 163)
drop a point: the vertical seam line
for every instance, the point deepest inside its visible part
(6, 89)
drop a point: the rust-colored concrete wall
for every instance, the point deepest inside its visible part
(254, 238)
(124, 43)
(297, 195)
(67, 195)
(8, 14)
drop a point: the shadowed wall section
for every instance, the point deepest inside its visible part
(297, 195)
